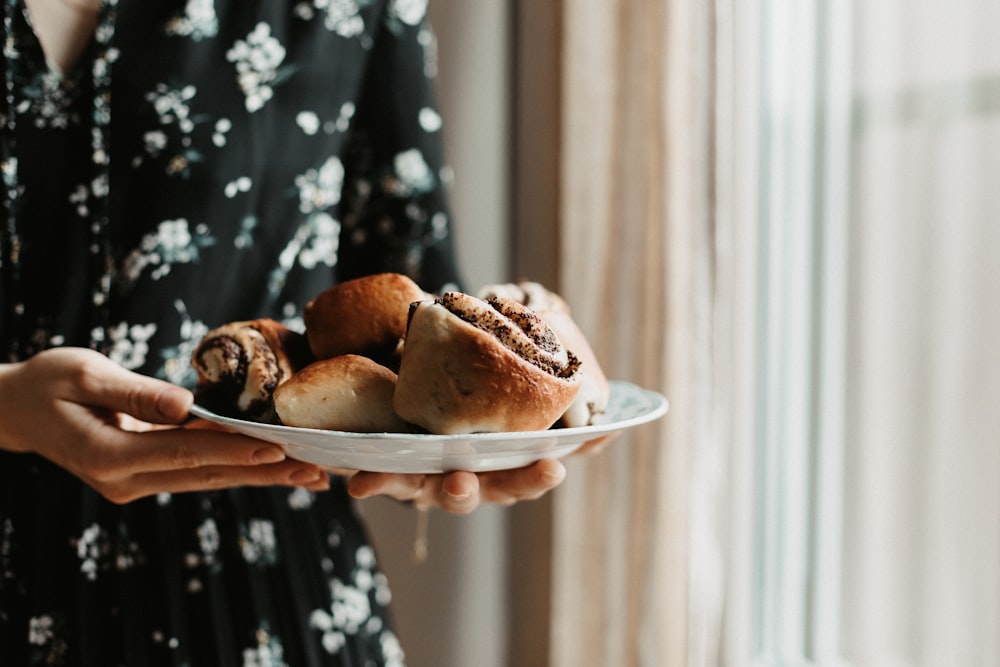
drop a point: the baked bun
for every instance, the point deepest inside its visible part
(365, 316)
(594, 389)
(471, 366)
(240, 364)
(344, 393)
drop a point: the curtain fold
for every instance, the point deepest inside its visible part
(634, 252)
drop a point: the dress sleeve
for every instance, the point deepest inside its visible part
(395, 213)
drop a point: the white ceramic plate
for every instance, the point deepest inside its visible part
(629, 406)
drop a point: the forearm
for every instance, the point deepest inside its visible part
(9, 440)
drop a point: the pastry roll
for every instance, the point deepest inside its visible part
(365, 316)
(345, 393)
(240, 364)
(594, 389)
(470, 366)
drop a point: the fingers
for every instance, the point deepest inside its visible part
(94, 380)
(398, 486)
(288, 473)
(505, 487)
(134, 465)
(461, 492)
(597, 445)
(128, 453)
(456, 492)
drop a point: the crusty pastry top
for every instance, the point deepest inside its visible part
(517, 328)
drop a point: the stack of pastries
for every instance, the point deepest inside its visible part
(379, 354)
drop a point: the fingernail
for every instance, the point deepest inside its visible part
(322, 484)
(555, 475)
(268, 455)
(459, 497)
(173, 404)
(305, 476)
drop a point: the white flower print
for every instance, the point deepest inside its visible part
(439, 227)
(320, 188)
(208, 540)
(392, 650)
(411, 174)
(346, 114)
(172, 108)
(308, 121)
(45, 634)
(350, 610)
(99, 186)
(258, 543)
(46, 98)
(316, 242)
(172, 243)
(245, 238)
(222, 127)
(342, 16)
(257, 60)
(198, 22)
(364, 557)
(383, 594)
(171, 105)
(130, 344)
(79, 200)
(332, 639)
(91, 548)
(155, 141)
(410, 12)
(40, 630)
(241, 184)
(267, 653)
(9, 170)
(325, 242)
(301, 498)
(430, 120)
(176, 367)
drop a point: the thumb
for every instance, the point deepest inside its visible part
(105, 384)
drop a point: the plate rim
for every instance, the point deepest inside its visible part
(660, 406)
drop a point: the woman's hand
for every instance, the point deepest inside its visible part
(461, 492)
(118, 431)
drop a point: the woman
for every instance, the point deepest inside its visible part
(170, 166)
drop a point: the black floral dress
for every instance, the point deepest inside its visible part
(206, 161)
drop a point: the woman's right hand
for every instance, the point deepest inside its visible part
(119, 431)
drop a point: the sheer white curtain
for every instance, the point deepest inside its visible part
(866, 170)
(922, 513)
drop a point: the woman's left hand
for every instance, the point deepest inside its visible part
(461, 492)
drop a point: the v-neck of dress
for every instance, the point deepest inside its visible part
(64, 31)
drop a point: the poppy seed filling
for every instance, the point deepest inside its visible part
(517, 328)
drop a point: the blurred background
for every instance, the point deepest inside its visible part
(785, 216)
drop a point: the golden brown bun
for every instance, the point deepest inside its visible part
(345, 393)
(456, 377)
(364, 316)
(240, 364)
(594, 389)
